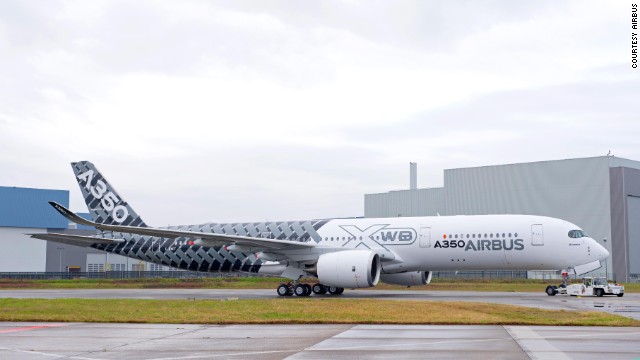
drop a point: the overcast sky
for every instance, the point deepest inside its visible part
(283, 110)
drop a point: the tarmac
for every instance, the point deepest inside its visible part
(87, 341)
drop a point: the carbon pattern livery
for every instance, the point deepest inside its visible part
(93, 180)
(181, 253)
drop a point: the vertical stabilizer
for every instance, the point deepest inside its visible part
(105, 204)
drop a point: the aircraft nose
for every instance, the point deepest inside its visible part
(600, 251)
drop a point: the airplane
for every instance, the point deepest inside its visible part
(340, 253)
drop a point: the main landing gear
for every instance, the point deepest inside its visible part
(306, 289)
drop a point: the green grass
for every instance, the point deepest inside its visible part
(295, 311)
(516, 285)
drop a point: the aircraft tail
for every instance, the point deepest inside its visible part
(105, 204)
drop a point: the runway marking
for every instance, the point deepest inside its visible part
(421, 342)
(27, 328)
(232, 354)
(34, 352)
(168, 358)
(597, 335)
(535, 345)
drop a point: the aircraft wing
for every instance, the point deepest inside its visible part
(201, 238)
(77, 240)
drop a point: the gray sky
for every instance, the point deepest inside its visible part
(281, 110)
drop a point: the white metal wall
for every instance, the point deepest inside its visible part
(420, 202)
(20, 253)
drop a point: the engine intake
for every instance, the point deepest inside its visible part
(349, 269)
(411, 278)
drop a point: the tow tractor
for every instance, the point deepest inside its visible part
(591, 286)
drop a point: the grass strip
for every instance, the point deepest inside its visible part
(295, 311)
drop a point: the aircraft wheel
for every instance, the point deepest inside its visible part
(334, 290)
(319, 289)
(300, 290)
(283, 290)
(308, 288)
(551, 291)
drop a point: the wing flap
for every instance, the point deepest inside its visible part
(77, 240)
(205, 239)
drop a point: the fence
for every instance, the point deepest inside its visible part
(119, 275)
(502, 275)
(181, 274)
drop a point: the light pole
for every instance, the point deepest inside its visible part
(606, 261)
(60, 258)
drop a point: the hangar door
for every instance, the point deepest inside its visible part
(633, 214)
(537, 235)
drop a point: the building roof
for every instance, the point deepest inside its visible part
(29, 208)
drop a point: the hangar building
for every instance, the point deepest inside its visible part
(24, 211)
(599, 194)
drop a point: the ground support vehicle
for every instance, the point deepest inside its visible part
(590, 286)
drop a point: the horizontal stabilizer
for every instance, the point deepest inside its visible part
(204, 239)
(77, 240)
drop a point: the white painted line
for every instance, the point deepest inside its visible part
(420, 343)
(536, 346)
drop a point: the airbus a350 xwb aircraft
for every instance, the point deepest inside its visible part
(340, 253)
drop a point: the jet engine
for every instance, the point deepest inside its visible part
(411, 278)
(349, 269)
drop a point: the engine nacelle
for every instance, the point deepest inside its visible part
(411, 278)
(349, 269)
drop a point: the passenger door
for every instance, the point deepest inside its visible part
(537, 235)
(425, 237)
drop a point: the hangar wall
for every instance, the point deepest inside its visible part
(625, 218)
(24, 211)
(582, 191)
(418, 202)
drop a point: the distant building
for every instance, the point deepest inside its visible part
(600, 194)
(25, 211)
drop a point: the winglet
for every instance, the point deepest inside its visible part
(70, 215)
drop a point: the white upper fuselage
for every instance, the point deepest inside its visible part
(491, 242)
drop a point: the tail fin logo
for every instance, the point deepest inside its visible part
(109, 201)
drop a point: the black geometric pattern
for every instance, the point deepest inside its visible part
(178, 252)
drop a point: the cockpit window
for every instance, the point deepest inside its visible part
(577, 234)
